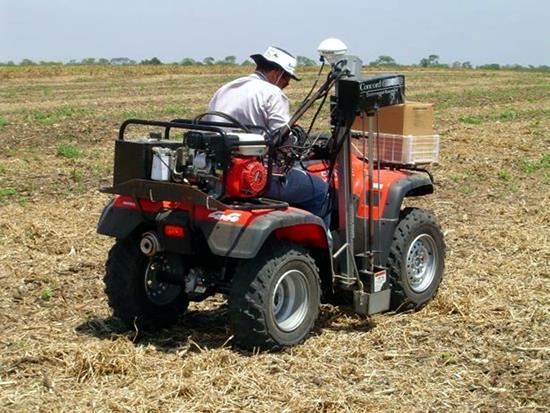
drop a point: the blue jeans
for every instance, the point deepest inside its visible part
(302, 190)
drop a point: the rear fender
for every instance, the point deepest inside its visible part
(244, 238)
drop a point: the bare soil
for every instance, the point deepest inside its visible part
(481, 345)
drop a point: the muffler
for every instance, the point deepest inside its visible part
(149, 244)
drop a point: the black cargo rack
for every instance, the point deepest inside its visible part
(172, 191)
(190, 124)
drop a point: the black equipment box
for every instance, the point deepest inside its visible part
(368, 94)
(133, 159)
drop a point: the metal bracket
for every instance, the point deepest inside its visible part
(371, 303)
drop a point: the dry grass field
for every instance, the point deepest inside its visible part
(481, 345)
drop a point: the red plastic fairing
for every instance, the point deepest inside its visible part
(237, 216)
(150, 206)
(126, 201)
(383, 180)
(321, 169)
(304, 234)
(229, 216)
(183, 206)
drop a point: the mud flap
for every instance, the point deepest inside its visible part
(118, 222)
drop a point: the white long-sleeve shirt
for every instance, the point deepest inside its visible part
(252, 100)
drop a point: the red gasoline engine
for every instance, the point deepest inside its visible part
(246, 178)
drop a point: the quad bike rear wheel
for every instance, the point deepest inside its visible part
(417, 259)
(136, 294)
(275, 297)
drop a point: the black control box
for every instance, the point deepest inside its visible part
(368, 94)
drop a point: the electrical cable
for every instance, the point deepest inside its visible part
(317, 113)
(322, 94)
(225, 116)
(314, 84)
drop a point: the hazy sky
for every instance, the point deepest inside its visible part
(481, 31)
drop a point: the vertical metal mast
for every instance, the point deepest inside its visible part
(370, 252)
(345, 203)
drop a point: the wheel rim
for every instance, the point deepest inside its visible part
(290, 300)
(158, 292)
(421, 262)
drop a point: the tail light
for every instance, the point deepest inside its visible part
(174, 231)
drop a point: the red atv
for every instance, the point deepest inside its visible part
(190, 221)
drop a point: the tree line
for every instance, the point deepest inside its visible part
(431, 61)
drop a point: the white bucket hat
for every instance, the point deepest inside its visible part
(279, 57)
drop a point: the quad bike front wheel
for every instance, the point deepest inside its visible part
(417, 259)
(275, 297)
(136, 294)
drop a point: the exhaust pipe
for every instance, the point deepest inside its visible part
(149, 244)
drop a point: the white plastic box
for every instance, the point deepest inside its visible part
(406, 149)
(160, 167)
(403, 149)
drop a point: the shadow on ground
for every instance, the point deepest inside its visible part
(204, 329)
(201, 330)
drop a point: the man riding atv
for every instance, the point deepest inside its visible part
(258, 99)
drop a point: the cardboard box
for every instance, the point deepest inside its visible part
(409, 118)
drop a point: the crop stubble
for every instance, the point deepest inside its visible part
(482, 344)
